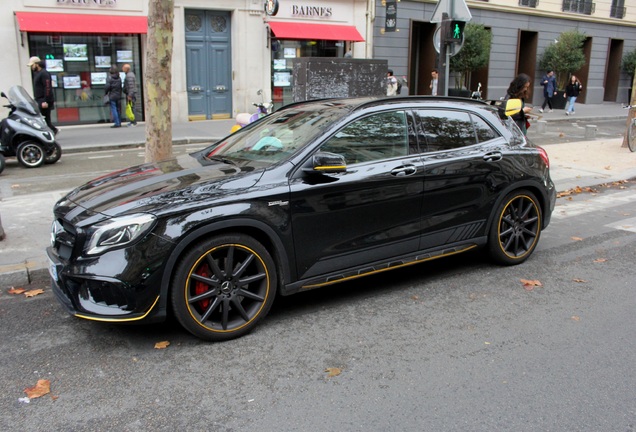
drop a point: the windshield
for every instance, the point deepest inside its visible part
(276, 137)
(19, 97)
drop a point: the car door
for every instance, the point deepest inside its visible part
(463, 165)
(369, 213)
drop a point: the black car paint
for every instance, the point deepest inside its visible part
(310, 223)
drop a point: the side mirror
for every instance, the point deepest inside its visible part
(327, 163)
(508, 107)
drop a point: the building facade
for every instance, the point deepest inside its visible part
(227, 50)
(521, 30)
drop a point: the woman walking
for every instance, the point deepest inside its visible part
(572, 91)
(518, 89)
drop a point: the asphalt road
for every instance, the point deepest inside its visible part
(455, 344)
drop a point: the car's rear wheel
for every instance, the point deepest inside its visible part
(516, 228)
(223, 287)
(31, 154)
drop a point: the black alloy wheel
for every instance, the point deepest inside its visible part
(31, 154)
(515, 229)
(223, 287)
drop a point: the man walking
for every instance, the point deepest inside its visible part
(43, 90)
(130, 90)
(549, 89)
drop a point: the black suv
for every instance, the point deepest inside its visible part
(314, 194)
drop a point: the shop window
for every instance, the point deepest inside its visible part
(79, 65)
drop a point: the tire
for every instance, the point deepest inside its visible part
(631, 136)
(31, 154)
(515, 229)
(3, 163)
(214, 304)
(54, 155)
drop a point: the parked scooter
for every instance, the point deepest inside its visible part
(477, 93)
(24, 132)
(262, 109)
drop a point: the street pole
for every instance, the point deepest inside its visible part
(444, 56)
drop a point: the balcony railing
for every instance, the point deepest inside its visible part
(529, 3)
(579, 6)
(618, 12)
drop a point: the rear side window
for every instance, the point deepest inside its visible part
(447, 129)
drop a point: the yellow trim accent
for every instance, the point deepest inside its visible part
(330, 167)
(348, 278)
(536, 238)
(79, 315)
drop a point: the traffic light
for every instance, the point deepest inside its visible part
(456, 31)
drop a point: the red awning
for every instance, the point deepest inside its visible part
(40, 22)
(296, 30)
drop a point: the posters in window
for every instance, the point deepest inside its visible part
(102, 62)
(75, 52)
(72, 82)
(124, 56)
(55, 65)
(98, 78)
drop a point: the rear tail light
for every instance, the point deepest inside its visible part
(544, 156)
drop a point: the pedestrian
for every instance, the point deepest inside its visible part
(43, 90)
(572, 91)
(113, 90)
(391, 84)
(433, 85)
(130, 90)
(519, 88)
(549, 89)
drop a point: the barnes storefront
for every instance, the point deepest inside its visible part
(302, 29)
(79, 51)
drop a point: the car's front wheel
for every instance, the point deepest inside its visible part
(223, 286)
(515, 229)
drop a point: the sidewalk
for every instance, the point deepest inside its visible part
(27, 219)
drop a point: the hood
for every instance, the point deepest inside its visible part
(156, 187)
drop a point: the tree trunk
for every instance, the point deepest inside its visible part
(632, 111)
(158, 80)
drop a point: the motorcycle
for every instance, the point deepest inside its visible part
(262, 109)
(24, 132)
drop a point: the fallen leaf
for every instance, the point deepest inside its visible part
(579, 280)
(15, 186)
(162, 345)
(486, 343)
(13, 290)
(333, 372)
(530, 284)
(600, 260)
(577, 239)
(608, 167)
(41, 388)
(575, 318)
(33, 293)
(415, 298)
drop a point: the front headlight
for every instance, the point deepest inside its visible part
(35, 124)
(118, 232)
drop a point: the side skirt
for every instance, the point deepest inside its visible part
(378, 267)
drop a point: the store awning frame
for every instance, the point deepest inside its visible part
(307, 31)
(43, 22)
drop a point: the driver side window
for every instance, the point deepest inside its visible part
(375, 137)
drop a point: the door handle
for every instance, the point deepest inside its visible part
(220, 88)
(196, 89)
(404, 170)
(493, 156)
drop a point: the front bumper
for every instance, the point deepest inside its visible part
(102, 298)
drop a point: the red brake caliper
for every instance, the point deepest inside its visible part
(200, 287)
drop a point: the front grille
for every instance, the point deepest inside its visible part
(63, 238)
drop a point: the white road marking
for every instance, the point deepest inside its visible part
(602, 202)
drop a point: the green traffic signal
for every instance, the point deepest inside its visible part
(457, 30)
